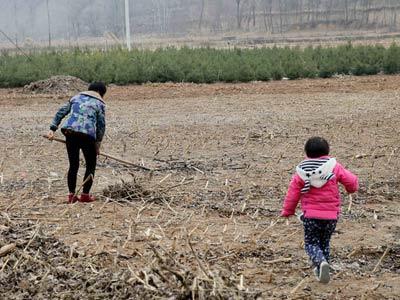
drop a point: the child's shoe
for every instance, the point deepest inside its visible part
(72, 198)
(87, 198)
(324, 272)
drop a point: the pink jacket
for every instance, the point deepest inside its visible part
(319, 203)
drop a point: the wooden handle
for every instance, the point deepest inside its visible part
(54, 139)
(106, 155)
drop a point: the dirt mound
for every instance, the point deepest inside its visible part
(61, 84)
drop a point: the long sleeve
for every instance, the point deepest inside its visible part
(293, 196)
(348, 179)
(101, 124)
(62, 112)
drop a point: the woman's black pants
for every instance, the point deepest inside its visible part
(75, 142)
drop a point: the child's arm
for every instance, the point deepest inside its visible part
(62, 112)
(292, 197)
(348, 179)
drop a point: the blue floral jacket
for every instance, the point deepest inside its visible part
(86, 114)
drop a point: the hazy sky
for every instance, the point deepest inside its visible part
(25, 20)
(22, 19)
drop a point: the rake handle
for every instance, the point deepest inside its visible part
(107, 156)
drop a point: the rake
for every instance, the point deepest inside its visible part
(109, 156)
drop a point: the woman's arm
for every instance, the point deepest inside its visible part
(62, 112)
(100, 127)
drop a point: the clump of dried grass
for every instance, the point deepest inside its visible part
(132, 191)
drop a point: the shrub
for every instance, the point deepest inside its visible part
(391, 63)
(201, 65)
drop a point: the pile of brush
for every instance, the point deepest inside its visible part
(34, 265)
(170, 276)
(133, 191)
(60, 85)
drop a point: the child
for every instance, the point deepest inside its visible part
(316, 185)
(83, 129)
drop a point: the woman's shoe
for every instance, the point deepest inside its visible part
(72, 198)
(87, 198)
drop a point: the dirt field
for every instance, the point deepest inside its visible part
(223, 155)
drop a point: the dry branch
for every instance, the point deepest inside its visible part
(284, 259)
(297, 287)
(350, 203)
(7, 249)
(197, 258)
(381, 259)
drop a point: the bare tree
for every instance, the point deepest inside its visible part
(280, 16)
(328, 11)
(299, 12)
(201, 13)
(48, 21)
(267, 16)
(366, 12)
(115, 24)
(16, 21)
(253, 12)
(346, 11)
(238, 14)
(217, 23)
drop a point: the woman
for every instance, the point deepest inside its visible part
(83, 129)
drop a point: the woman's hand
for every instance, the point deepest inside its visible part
(50, 135)
(98, 148)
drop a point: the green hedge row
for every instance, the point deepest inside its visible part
(204, 65)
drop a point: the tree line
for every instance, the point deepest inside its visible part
(199, 65)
